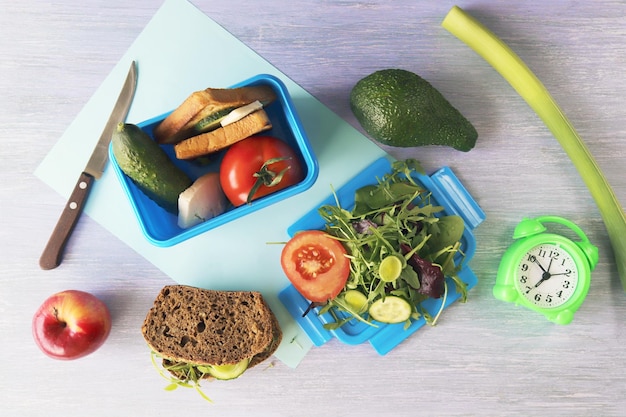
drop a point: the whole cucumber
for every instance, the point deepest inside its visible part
(143, 161)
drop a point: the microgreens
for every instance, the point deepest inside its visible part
(190, 375)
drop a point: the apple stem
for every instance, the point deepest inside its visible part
(56, 316)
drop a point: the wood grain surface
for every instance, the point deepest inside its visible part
(484, 358)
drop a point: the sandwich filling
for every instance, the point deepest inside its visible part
(190, 372)
(203, 110)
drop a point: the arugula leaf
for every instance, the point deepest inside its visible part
(446, 232)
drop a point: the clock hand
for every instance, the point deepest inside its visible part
(544, 277)
(538, 264)
(546, 274)
(549, 265)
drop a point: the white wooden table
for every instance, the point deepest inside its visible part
(484, 357)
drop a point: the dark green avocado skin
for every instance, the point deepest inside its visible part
(399, 108)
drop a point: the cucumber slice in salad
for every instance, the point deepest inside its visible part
(356, 300)
(391, 309)
(390, 268)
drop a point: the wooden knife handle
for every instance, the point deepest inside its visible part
(53, 253)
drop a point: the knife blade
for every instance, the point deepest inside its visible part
(52, 255)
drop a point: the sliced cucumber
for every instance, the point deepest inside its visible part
(228, 371)
(356, 300)
(206, 124)
(391, 309)
(212, 121)
(390, 268)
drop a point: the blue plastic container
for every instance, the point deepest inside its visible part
(446, 191)
(161, 227)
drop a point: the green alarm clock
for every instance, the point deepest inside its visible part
(546, 272)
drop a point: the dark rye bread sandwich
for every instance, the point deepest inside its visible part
(203, 334)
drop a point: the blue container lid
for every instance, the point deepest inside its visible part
(446, 191)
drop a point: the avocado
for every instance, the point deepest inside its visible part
(399, 108)
(147, 164)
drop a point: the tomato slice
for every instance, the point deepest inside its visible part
(316, 264)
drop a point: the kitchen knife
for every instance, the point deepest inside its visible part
(53, 252)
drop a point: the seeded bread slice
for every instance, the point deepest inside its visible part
(207, 327)
(277, 337)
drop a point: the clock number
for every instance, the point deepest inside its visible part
(559, 294)
(524, 267)
(566, 284)
(548, 297)
(523, 279)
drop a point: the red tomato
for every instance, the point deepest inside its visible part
(243, 166)
(316, 264)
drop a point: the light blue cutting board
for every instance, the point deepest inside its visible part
(174, 59)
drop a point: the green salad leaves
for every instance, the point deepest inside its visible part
(400, 245)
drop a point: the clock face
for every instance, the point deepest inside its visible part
(546, 276)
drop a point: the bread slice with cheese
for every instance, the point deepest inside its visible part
(203, 334)
(201, 109)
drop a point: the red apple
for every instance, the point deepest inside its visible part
(71, 324)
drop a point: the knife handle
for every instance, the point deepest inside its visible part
(53, 252)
